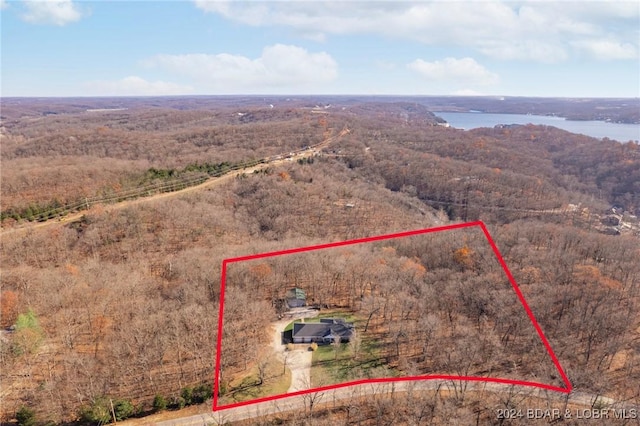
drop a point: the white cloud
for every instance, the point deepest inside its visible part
(279, 67)
(539, 51)
(608, 50)
(135, 86)
(57, 12)
(3, 4)
(464, 70)
(521, 30)
(222, 7)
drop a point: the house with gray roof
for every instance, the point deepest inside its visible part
(324, 331)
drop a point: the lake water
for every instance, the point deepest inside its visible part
(596, 129)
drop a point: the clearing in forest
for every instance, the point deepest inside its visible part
(429, 304)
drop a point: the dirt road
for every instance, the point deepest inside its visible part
(308, 152)
(124, 204)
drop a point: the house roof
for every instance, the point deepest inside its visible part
(296, 293)
(324, 329)
(313, 330)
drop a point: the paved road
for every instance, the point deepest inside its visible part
(300, 403)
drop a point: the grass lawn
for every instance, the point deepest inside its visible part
(346, 315)
(245, 387)
(328, 367)
(289, 326)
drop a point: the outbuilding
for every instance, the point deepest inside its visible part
(296, 298)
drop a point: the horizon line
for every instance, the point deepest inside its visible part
(310, 95)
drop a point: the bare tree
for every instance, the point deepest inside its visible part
(336, 345)
(262, 370)
(355, 344)
(312, 398)
(370, 306)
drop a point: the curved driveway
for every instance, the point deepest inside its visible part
(298, 360)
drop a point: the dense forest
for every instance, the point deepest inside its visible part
(121, 303)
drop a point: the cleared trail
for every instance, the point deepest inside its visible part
(309, 152)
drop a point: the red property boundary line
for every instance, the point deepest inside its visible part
(567, 389)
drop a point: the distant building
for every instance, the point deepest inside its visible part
(296, 298)
(610, 220)
(325, 331)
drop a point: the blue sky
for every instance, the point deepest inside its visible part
(509, 48)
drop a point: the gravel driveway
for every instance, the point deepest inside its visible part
(298, 360)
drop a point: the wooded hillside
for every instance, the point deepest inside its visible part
(122, 303)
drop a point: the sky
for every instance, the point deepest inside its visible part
(146, 48)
